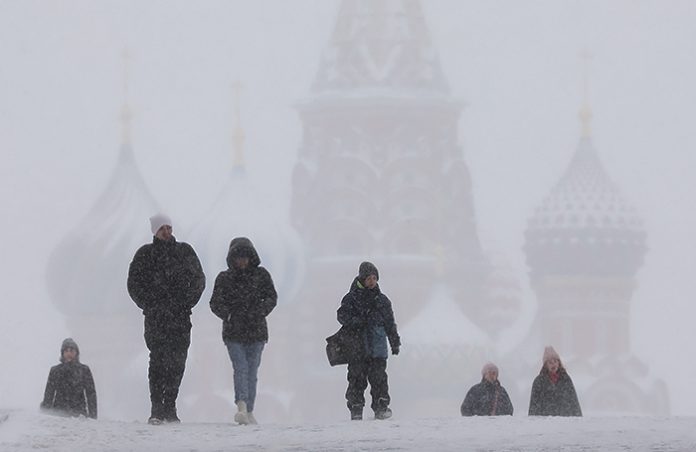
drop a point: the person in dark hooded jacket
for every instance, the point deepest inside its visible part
(70, 387)
(368, 312)
(487, 398)
(553, 392)
(243, 297)
(165, 280)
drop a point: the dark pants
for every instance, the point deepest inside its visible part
(168, 354)
(374, 371)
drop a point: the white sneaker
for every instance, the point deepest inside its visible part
(242, 417)
(252, 419)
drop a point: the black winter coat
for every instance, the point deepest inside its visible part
(549, 399)
(243, 298)
(70, 391)
(481, 398)
(369, 313)
(165, 280)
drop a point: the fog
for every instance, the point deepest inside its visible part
(517, 68)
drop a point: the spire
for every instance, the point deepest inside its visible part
(238, 131)
(380, 45)
(126, 113)
(585, 113)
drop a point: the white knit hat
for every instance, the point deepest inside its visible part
(159, 220)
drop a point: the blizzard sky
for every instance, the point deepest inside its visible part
(515, 65)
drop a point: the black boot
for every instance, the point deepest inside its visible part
(356, 413)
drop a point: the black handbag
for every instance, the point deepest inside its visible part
(344, 346)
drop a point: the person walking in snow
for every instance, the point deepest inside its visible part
(368, 313)
(553, 392)
(487, 398)
(165, 280)
(70, 387)
(243, 296)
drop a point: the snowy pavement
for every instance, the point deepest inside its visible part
(27, 431)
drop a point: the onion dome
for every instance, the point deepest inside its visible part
(87, 271)
(585, 226)
(242, 210)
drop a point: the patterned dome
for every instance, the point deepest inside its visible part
(585, 225)
(87, 271)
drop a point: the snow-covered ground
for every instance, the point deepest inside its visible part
(29, 431)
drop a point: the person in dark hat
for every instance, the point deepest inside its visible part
(487, 398)
(165, 280)
(553, 392)
(70, 387)
(368, 312)
(243, 296)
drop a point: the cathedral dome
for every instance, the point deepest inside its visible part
(585, 226)
(87, 271)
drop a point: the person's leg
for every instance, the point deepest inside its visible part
(240, 367)
(253, 354)
(379, 386)
(178, 352)
(156, 375)
(357, 383)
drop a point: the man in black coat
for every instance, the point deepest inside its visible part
(487, 398)
(243, 297)
(70, 386)
(368, 312)
(166, 281)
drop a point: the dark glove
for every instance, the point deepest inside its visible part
(395, 350)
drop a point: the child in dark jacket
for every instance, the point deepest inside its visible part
(553, 392)
(70, 387)
(487, 398)
(368, 312)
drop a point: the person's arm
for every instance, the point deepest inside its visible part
(139, 279)
(90, 393)
(504, 404)
(467, 408)
(268, 297)
(193, 278)
(50, 391)
(348, 315)
(535, 401)
(390, 326)
(573, 402)
(219, 301)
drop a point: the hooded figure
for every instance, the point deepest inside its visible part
(243, 296)
(70, 387)
(553, 392)
(368, 313)
(487, 398)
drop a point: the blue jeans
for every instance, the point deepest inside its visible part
(246, 359)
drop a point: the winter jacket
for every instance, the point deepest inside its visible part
(549, 399)
(70, 391)
(369, 313)
(165, 280)
(243, 298)
(483, 397)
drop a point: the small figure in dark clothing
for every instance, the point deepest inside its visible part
(553, 392)
(368, 312)
(70, 386)
(165, 280)
(487, 398)
(243, 297)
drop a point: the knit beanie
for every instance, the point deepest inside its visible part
(550, 353)
(488, 367)
(366, 269)
(159, 220)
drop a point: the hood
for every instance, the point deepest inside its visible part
(69, 342)
(242, 246)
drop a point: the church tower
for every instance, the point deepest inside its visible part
(381, 176)
(584, 245)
